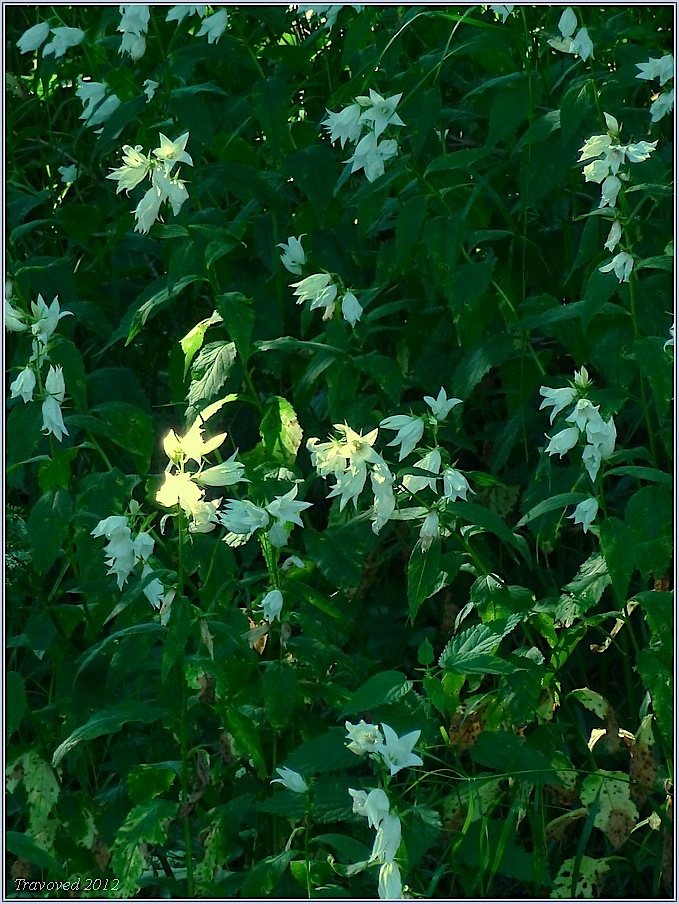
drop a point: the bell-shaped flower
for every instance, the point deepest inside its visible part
(614, 236)
(602, 435)
(107, 527)
(286, 508)
(591, 459)
(563, 441)
(193, 446)
(179, 489)
(292, 780)
(204, 516)
(381, 111)
(640, 151)
(45, 319)
(409, 432)
(670, 341)
(432, 463)
(243, 517)
(610, 190)
(363, 737)
(317, 288)
(179, 13)
(345, 125)
(557, 399)
(585, 512)
(371, 156)
(170, 190)
(657, 68)
(293, 256)
(24, 385)
(147, 210)
(272, 605)
(226, 474)
(502, 10)
(351, 309)
(583, 413)
(213, 26)
(581, 378)
(359, 801)
(387, 840)
(397, 753)
(350, 484)
(389, 887)
(582, 46)
(134, 24)
(568, 23)
(384, 504)
(97, 106)
(376, 807)
(662, 105)
(143, 545)
(329, 457)
(622, 265)
(153, 590)
(134, 170)
(429, 530)
(63, 39)
(14, 319)
(68, 173)
(150, 87)
(33, 38)
(441, 405)
(455, 485)
(173, 152)
(594, 147)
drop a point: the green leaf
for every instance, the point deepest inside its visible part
(486, 354)
(548, 505)
(385, 687)
(618, 547)
(148, 780)
(583, 592)
(56, 472)
(483, 517)
(155, 303)
(15, 695)
(326, 752)
(48, 526)
(239, 318)
(649, 515)
(509, 754)
(193, 341)
(469, 653)
(456, 160)
(423, 575)
(25, 848)
(106, 722)
(245, 733)
(279, 684)
(147, 823)
(177, 634)
(642, 474)
(264, 876)
(209, 372)
(657, 673)
(280, 431)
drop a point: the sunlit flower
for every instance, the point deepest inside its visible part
(287, 509)
(179, 489)
(213, 26)
(172, 152)
(502, 10)
(585, 513)
(292, 780)
(63, 39)
(136, 165)
(33, 38)
(389, 887)
(622, 265)
(293, 256)
(410, 430)
(24, 385)
(147, 210)
(441, 405)
(272, 605)
(662, 105)
(226, 474)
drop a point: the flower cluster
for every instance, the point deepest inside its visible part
(373, 113)
(585, 421)
(394, 752)
(134, 24)
(607, 155)
(212, 26)
(662, 70)
(41, 324)
(124, 552)
(185, 488)
(321, 289)
(63, 38)
(579, 44)
(243, 518)
(164, 186)
(375, 806)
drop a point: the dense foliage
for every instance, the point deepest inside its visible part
(339, 451)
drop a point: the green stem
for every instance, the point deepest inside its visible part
(184, 720)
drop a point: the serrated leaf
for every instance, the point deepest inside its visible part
(106, 722)
(483, 517)
(280, 431)
(324, 753)
(192, 342)
(618, 546)
(158, 300)
(239, 318)
(469, 653)
(385, 687)
(279, 684)
(148, 780)
(209, 372)
(47, 528)
(649, 515)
